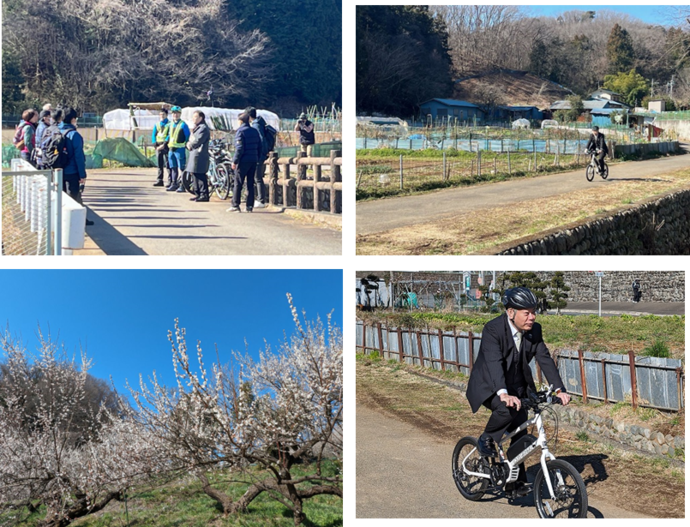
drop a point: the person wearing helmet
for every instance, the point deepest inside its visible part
(177, 159)
(501, 375)
(597, 144)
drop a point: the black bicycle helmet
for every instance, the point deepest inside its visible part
(519, 298)
(595, 128)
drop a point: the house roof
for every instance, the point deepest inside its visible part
(607, 111)
(518, 108)
(594, 94)
(590, 104)
(451, 102)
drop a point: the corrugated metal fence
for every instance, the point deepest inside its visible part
(653, 382)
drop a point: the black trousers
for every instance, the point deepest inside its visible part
(259, 180)
(201, 185)
(244, 171)
(162, 156)
(505, 419)
(600, 161)
(70, 184)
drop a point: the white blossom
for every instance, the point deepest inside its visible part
(258, 418)
(48, 454)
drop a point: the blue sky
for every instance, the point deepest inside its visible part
(122, 317)
(655, 14)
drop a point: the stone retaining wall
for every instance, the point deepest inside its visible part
(657, 286)
(646, 148)
(656, 226)
(678, 127)
(638, 437)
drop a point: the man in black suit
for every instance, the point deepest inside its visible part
(501, 375)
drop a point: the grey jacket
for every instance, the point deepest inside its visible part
(198, 150)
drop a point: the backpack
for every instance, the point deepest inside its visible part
(270, 134)
(18, 139)
(53, 148)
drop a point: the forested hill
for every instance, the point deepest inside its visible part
(579, 50)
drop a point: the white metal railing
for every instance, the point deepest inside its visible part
(38, 218)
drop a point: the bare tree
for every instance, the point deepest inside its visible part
(81, 51)
(480, 35)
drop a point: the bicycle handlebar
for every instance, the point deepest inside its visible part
(541, 397)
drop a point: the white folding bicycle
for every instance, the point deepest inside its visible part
(559, 491)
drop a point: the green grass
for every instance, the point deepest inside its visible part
(183, 504)
(582, 436)
(658, 348)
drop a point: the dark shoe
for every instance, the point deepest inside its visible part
(485, 446)
(201, 200)
(248, 210)
(193, 199)
(181, 189)
(172, 188)
(89, 222)
(158, 184)
(518, 489)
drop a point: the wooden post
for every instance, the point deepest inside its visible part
(582, 376)
(509, 167)
(401, 170)
(444, 165)
(420, 351)
(440, 350)
(633, 379)
(603, 376)
(470, 340)
(380, 335)
(273, 178)
(364, 337)
(400, 344)
(336, 176)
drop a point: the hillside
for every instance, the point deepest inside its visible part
(520, 88)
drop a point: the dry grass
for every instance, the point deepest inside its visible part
(482, 229)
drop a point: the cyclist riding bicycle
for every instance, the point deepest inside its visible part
(597, 145)
(501, 375)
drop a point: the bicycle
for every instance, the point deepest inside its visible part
(558, 487)
(220, 172)
(593, 167)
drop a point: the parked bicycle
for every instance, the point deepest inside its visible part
(559, 491)
(220, 172)
(593, 167)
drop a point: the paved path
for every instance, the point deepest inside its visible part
(630, 308)
(133, 217)
(404, 473)
(385, 214)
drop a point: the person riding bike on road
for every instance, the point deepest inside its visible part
(597, 144)
(501, 375)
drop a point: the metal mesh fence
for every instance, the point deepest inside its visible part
(25, 215)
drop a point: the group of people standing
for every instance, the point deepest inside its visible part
(252, 146)
(50, 139)
(172, 138)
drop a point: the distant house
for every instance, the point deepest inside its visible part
(450, 109)
(512, 113)
(657, 105)
(607, 94)
(600, 110)
(602, 116)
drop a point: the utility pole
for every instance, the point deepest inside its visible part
(672, 79)
(652, 89)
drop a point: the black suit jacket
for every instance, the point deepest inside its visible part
(496, 356)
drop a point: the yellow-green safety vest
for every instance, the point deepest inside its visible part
(174, 135)
(162, 133)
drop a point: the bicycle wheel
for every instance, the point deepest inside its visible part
(589, 173)
(224, 181)
(188, 182)
(471, 487)
(605, 174)
(568, 488)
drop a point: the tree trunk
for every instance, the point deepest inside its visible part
(225, 501)
(77, 510)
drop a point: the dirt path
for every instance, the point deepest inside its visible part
(385, 214)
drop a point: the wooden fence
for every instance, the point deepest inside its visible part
(291, 184)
